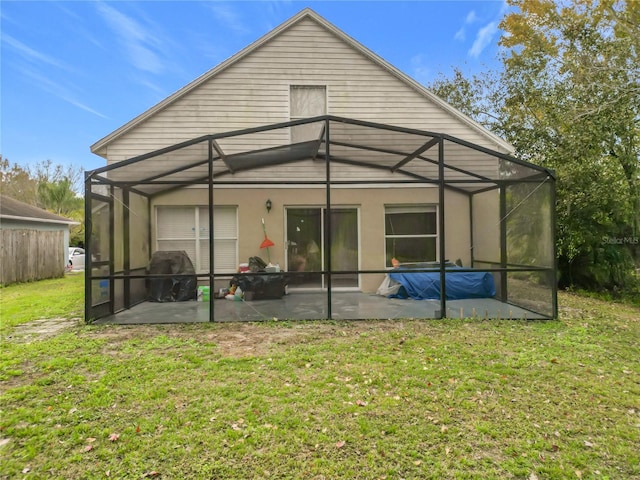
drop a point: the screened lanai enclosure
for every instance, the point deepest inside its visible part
(320, 218)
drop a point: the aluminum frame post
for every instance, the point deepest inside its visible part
(441, 232)
(211, 234)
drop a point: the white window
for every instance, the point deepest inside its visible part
(187, 228)
(307, 101)
(411, 233)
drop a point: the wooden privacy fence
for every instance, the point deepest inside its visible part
(27, 255)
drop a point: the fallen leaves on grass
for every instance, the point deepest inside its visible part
(340, 444)
(238, 425)
(151, 474)
(114, 437)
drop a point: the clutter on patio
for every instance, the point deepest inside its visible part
(262, 281)
(405, 282)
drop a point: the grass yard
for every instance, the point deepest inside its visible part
(320, 400)
(58, 297)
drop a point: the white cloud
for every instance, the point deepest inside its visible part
(31, 54)
(151, 86)
(483, 39)
(82, 106)
(504, 8)
(228, 15)
(461, 35)
(485, 34)
(57, 90)
(139, 43)
(420, 68)
(276, 11)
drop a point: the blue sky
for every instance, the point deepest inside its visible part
(74, 71)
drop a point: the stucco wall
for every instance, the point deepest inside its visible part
(370, 202)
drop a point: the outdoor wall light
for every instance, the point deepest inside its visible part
(268, 204)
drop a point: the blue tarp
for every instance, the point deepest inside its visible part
(426, 285)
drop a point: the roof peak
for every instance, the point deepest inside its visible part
(99, 147)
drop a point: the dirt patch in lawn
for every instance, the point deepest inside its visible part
(41, 329)
(241, 339)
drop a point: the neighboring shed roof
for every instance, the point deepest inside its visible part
(99, 147)
(11, 209)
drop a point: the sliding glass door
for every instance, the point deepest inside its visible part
(307, 253)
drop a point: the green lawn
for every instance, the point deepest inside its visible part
(58, 297)
(363, 399)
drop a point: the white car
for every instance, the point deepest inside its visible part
(76, 258)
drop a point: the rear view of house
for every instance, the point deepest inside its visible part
(362, 180)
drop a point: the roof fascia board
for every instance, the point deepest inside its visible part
(38, 220)
(98, 147)
(407, 79)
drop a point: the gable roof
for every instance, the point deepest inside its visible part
(307, 13)
(11, 209)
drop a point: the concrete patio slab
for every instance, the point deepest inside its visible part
(313, 306)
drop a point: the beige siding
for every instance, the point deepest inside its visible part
(255, 91)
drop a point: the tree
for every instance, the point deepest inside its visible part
(477, 97)
(52, 187)
(568, 98)
(17, 183)
(58, 196)
(572, 103)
